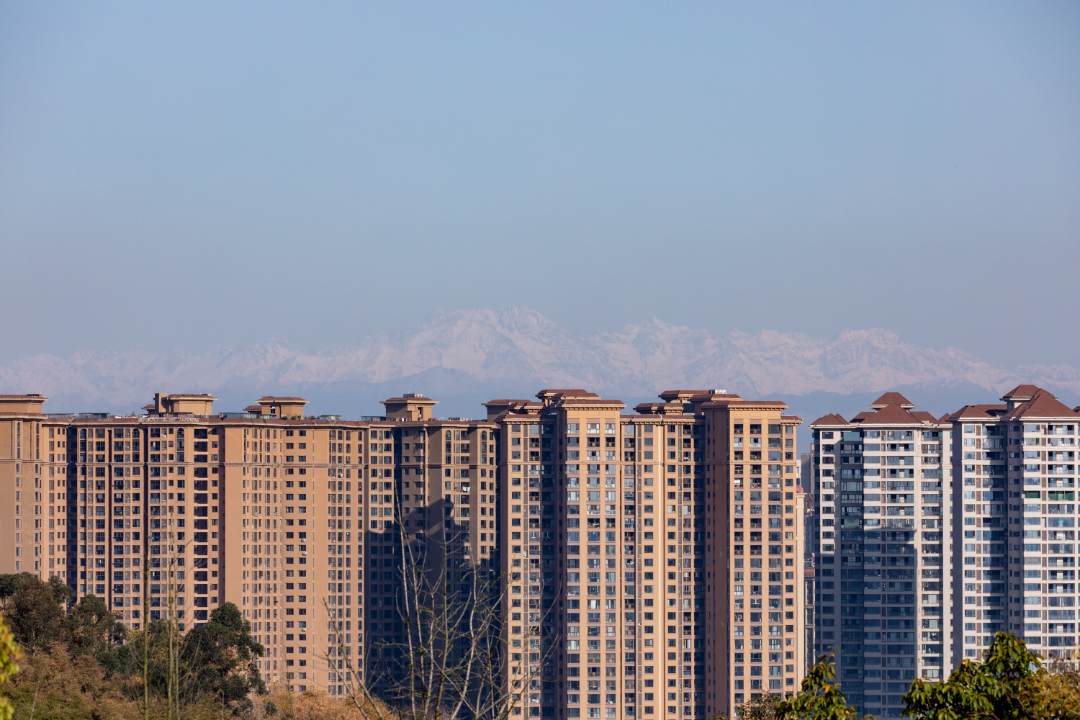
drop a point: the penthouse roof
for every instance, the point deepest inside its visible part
(739, 402)
(566, 393)
(976, 412)
(892, 398)
(890, 415)
(830, 419)
(1022, 392)
(594, 400)
(659, 408)
(1042, 405)
(413, 399)
(892, 408)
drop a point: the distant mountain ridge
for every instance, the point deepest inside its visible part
(519, 350)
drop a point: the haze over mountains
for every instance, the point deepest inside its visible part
(467, 356)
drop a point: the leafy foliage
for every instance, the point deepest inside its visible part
(90, 628)
(53, 685)
(84, 664)
(10, 583)
(1057, 691)
(762, 707)
(1002, 687)
(819, 698)
(35, 610)
(220, 658)
(9, 653)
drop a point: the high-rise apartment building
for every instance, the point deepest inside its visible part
(654, 560)
(934, 534)
(651, 562)
(280, 514)
(1014, 465)
(882, 565)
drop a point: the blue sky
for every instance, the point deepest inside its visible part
(195, 174)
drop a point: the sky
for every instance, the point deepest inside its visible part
(187, 175)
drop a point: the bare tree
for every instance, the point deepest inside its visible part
(455, 662)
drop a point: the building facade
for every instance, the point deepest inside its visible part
(177, 511)
(882, 564)
(1015, 530)
(651, 563)
(659, 554)
(932, 535)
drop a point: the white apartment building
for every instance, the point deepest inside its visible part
(880, 482)
(931, 535)
(1015, 532)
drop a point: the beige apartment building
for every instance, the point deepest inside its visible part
(650, 562)
(654, 560)
(280, 514)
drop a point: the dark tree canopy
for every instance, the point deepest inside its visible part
(221, 657)
(1001, 687)
(90, 627)
(35, 611)
(10, 583)
(820, 697)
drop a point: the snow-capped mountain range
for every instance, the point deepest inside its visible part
(517, 351)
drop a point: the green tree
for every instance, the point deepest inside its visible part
(762, 707)
(90, 628)
(35, 611)
(1004, 686)
(1057, 691)
(819, 698)
(10, 583)
(220, 659)
(9, 653)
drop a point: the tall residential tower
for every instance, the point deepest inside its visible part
(934, 534)
(651, 562)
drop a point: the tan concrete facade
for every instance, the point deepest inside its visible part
(757, 552)
(651, 561)
(638, 552)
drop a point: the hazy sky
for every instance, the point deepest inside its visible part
(190, 174)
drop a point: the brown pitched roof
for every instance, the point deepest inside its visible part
(274, 398)
(971, 412)
(892, 415)
(575, 392)
(1022, 391)
(1042, 405)
(892, 398)
(830, 419)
